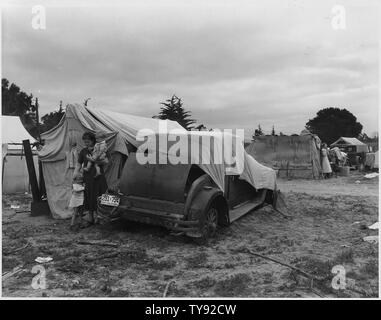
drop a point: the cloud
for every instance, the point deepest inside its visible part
(234, 65)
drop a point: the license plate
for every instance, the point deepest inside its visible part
(110, 200)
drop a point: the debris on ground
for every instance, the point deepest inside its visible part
(43, 259)
(10, 274)
(371, 175)
(374, 226)
(371, 239)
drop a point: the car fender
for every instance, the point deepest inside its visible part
(200, 204)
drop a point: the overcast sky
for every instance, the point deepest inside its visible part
(235, 64)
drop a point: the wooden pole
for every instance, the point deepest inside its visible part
(31, 170)
(2, 175)
(38, 122)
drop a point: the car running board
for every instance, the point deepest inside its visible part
(241, 210)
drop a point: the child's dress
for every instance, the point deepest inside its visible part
(77, 196)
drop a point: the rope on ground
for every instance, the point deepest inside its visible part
(105, 256)
(16, 250)
(302, 272)
(167, 287)
(306, 274)
(98, 243)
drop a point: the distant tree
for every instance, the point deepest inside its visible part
(17, 103)
(281, 133)
(201, 127)
(50, 120)
(332, 123)
(173, 110)
(273, 131)
(258, 132)
(363, 137)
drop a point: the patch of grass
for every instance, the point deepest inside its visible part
(229, 265)
(345, 256)
(370, 268)
(356, 276)
(204, 283)
(153, 276)
(315, 266)
(119, 293)
(197, 260)
(72, 265)
(235, 285)
(267, 277)
(138, 256)
(8, 263)
(162, 264)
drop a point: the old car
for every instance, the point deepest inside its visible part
(182, 197)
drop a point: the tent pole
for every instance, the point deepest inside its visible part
(31, 170)
(2, 170)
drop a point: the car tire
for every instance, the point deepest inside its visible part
(208, 224)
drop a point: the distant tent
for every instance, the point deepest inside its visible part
(376, 160)
(371, 160)
(62, 143)
(350, 145)
(15, 178)
(293, 156)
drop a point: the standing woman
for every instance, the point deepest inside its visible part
(326, 167)
(95, 185)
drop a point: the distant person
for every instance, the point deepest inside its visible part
(326, 167)
(95, 186)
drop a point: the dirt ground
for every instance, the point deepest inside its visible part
(329, 221)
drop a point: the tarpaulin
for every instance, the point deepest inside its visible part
(218, 154)
(123, 132)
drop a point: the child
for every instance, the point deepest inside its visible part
(76, 200)
(98, 154)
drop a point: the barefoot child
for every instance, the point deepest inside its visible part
(98, 154)
(76, 201)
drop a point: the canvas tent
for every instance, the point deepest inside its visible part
(376, 160)
(15, 178)
(291, 156)
(350, 145)
(371, 160)
(63, 142)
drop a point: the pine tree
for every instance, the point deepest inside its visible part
(50, 120)
(258, 132)
(173, 110)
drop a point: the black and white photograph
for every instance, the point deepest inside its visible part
(190, 150)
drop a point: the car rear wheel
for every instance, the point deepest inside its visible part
(208, 225)
(210, 222)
